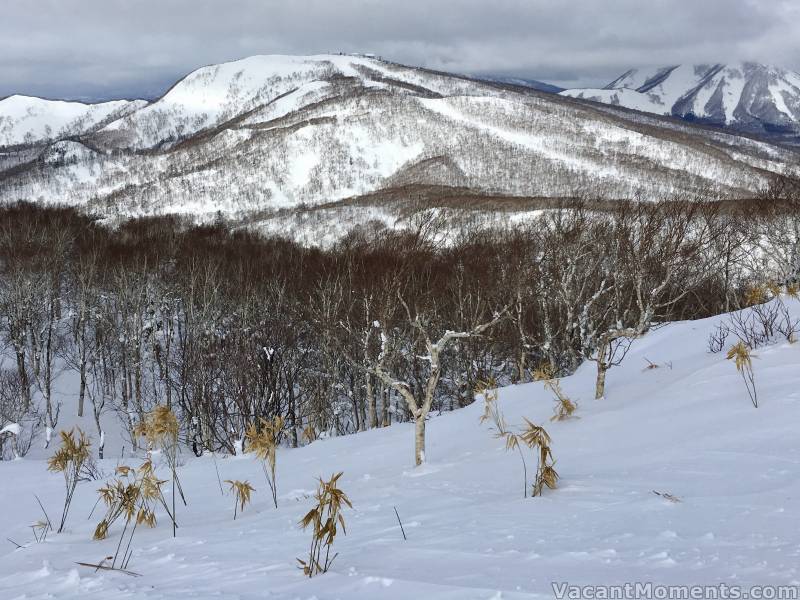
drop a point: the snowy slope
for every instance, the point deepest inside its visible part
(749, 96)
(686, 428)
(627, 98)
(215, 94)
(272, 133)
(27, 120)
(350, 144)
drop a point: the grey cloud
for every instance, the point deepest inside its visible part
(102, 48)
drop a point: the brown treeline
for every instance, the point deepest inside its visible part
(227, 326)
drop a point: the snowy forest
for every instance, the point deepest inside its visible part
(230, 328)
(451, 300)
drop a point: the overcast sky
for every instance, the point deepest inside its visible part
(125, 48)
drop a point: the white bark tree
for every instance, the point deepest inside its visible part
(658, 255)
(419, 407)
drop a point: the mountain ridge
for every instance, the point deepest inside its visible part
(534, 84)
(30, 119)
(267, 134)
(747, 96)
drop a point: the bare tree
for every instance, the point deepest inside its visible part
(419, 403)
(775, 225)
(658, 255)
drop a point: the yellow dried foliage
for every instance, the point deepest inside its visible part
(263, 442)
(740, 353)
(72, 454)
(69, 459)
(324, 518)
(756, 294)
(743, 358)
(534, 435)
(544, 372)
(309, 433)
(536, 438)
(564, 407)
(133, 495)
(491, 412)
(159, 427)
(242, 491)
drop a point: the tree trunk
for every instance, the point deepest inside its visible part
(50, 420)
(521, 368)
(419, 439)
(82, 391)
(47, 379)
(600, 385)
(372, 409)
(292, 418)
(727, 277)
(24, 382)
(386, 398)
(359, 422)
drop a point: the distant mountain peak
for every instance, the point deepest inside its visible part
(748, 96)
(258, 137)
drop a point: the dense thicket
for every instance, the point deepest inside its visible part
(226, 326)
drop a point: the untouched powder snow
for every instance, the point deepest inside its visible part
(686, 428)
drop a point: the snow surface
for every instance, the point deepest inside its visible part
(214, 94)
(268, 133)
(621, 97)
(27, 119)
(729, 94)
(685, 428)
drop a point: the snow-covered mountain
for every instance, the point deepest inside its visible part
(30, 120)
(747, 96)
(261, 89)
(261, 137)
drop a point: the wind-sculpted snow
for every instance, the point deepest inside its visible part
(673, 479)
(269, 133)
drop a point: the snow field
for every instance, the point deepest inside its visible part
(685, 428)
